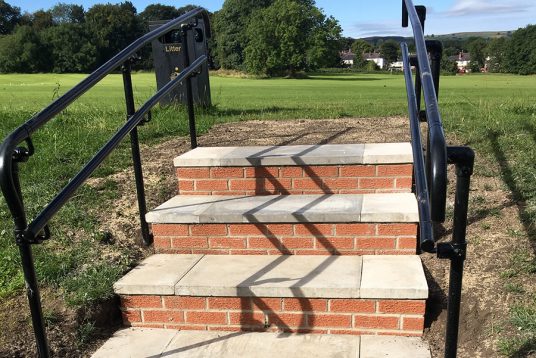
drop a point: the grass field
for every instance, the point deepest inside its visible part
(495, 114)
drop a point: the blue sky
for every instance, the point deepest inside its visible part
(379, 17)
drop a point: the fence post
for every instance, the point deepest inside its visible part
(136, 157)
(189, 96)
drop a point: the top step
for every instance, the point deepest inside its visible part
(327, 154)
(299, 169)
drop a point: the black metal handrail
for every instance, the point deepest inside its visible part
(11, 153)
(431, 171)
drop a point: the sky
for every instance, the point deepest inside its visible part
(376, 17)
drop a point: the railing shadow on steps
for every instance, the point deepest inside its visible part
(12, 152)
(430, 169)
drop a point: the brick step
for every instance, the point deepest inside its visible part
(142, 343)
(341, 224)
(383, 295)
(299, 169)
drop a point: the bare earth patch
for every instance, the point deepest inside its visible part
(493, 215)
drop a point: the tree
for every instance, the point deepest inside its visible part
(497, 50)
(447, 65)
(9, 17)
(71, 48)
(360, 47)
(67, 13)
(24, 52)
(159, 12)
(41, 20)
(477, 49)
(389, 51)
(521, 54)
(230, 30)
(112, 28)
(290, 36)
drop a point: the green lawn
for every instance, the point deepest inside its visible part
(495, 114)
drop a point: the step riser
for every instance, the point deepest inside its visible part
(288, 239)
(329, 316)
(334, 179)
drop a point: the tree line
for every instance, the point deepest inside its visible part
(267, 37)
(270, 37)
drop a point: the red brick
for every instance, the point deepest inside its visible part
(249, 252)
(193, 173)
(397, 229)
(163, 316)
(263, 243)
(313, 229)
(188, 242)
(287, 319)
(321, 171)
(335, 243)
(309, 184)
(354, 229)
(375, 243)
(266, 303)
(376, 322)
(227, 172)
(209, 230)
(298, 242)
(184, 303)
(376, 183)
(413, 323)
(229, 192)
(187, 185)
(242, 184)
(278, 229)
(291, 172)
(281, 185)
(130, 317)
(229, 303)
(341, 183)
(352, 305)
(210, 252)
(211, 184)
(404, 183)
(329, 320)
(247, 318)
(141, 301)
(170, 229)
(247, 229)
(262, 172)
(162, 242)
(395, 170)
(358, 171)
(149, 325)
(407, 243)
(402, 306)
(206, 317)
(227, 243)
(305, 304)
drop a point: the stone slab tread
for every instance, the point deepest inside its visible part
(145, 343)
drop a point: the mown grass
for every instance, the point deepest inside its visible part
(495, 114)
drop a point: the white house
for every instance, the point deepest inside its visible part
(463, 60)
(347, 58)
(376, 58)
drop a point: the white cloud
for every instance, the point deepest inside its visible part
(384, 28)
(487, 7)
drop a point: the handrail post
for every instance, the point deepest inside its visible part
(189, 96)
(30, 278)
(136, 157)
(435, 48)
(421, 12)
(455, 250)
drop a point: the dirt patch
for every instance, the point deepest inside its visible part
(493, 215)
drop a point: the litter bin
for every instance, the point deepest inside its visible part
(169, 62)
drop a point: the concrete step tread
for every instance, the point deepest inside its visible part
(193, 209)
(144, 342)
(368, 276)
(327, 154)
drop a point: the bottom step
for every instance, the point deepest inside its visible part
(140, 342)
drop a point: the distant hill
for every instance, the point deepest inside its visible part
(375, 40)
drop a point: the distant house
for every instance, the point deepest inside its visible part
(376, 58)
(397, 66)
(347, 58)
(463, 60)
